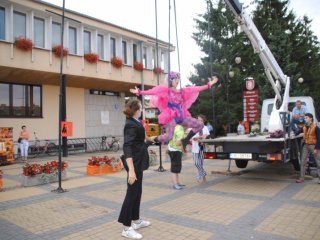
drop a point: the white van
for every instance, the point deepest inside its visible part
(267, 106)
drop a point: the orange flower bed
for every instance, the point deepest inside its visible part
(23, 43)
(138, 66)
(91, 57)
(116, 62)
(57, 51)
(103, 165)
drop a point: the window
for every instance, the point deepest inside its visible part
(124, 52)
(38, 32)
(17, 100)
(86, 42)
(135, 52)
(2, 23)
(154, 60)
(56, 34)
(19, 24)
(100, 46)
(112, 47)
(144, 59)
(72, 40)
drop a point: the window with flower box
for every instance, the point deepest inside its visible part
(124, 52)
(2, 23)
(144, 59)
(72, 47)
(86, 42)
(56, 34)
(19, 24)
(38, 33)
(135, 52)
(100, 46)
(18, 100)
(112, 47)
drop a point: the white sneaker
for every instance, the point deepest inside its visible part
(131, 233)
(142, 224)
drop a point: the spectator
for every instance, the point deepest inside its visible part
(24, 143)
(240, 128)
(311, 137)
(211, 129)
(137, 159)
(197, 150)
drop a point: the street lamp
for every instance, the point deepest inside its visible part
(230, 75)
(300, 80)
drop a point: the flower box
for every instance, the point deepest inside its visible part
(57, 51)
(138, 66)
(1, 181)
(103, 165)
(23, 43)
(157, 70)
(116, 62)
(91, 57)
(40, 179)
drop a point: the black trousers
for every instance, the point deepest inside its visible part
(130, 209)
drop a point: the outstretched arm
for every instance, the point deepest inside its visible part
(158, 91)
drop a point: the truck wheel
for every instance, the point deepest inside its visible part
(241, 163)
(296, 164)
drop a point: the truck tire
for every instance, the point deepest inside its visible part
(241, 163)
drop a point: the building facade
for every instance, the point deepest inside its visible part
(95, 92)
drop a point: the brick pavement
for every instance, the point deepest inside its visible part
(261, 202)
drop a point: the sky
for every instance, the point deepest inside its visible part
(139, 15)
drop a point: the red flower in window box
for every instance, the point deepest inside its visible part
(91, 57)
(23, 43)
(116, 62)
(48, 168)
(57, 51)
(138, 66)
(157, 70)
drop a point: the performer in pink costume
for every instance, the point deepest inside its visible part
(174, 104)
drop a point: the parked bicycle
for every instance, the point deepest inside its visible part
(38, 148)
(110, 143)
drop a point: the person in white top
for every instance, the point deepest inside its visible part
(197, 151)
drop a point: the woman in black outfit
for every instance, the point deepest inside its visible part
(137, 159)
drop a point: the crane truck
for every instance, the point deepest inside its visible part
(275, 115)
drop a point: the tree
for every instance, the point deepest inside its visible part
(290, 40)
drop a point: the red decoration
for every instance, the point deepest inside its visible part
(23, 43)
(48, 168)
(91, 57)
(138, 66)
(157, 70)
(116, 62)
(57, 51)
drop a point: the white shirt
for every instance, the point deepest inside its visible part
(195, 144)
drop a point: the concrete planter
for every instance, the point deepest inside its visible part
(27, 181)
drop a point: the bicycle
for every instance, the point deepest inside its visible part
(36, 149)
(110, 145)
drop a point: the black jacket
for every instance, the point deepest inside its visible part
(134, 146)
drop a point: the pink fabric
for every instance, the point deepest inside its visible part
(161, 95)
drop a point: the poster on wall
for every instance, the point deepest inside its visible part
(6, 145)
(104, 117)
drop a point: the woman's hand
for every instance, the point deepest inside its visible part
(213, 80)
(132, 177)
(135, 90)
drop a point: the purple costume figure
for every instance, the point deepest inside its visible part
(174, 104)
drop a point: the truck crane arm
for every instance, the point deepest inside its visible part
(278, 80)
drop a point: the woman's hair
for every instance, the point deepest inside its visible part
(131, 107)
(203, 117)
(172, 75)
(23, 126)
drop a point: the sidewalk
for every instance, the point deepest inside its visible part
(259, 202)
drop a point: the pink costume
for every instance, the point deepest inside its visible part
(174, 105)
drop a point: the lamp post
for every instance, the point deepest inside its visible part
(230, 74)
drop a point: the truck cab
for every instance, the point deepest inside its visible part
(267, 106)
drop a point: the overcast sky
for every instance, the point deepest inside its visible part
(139, 15)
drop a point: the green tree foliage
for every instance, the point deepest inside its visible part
(290, 39)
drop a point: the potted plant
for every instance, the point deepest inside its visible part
(103, 165)
(91, 57)
(23, 43)
(157, 70)
(138, 66)
(116, 62)
(36, 174)
(57, 51)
